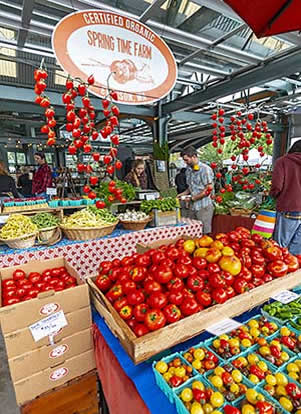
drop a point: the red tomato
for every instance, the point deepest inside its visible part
(204, 274)
(138, 273)
(257, 238)
(140, 329)
(11, 301)
(273, 253)
(172, 253)
(157, 300)
(164, 274)
(240, 285)
(8, 282)
(69, 280)
(246, 274)
(235, 246)
(292, 263)
(131, 323)
(20, 292)
(187, 293)
(158, 257)
(40, 286)
(278, 268)
(136, 297)
(258, 260)
(228, 278)
(128, 286)
(181, 271)
(176, 298)
(114, 293)
(257, 271)
(114, 274)
(33, 293)
(19, 274)
(140, 311)
(120, 303)
(126, 312)
(213, 268)
(267, 278)
(143, 260)
(27, 286)
(47, 287)
(56, 272)
(175, 284)
(46, 272)
(172, 313)
(105, 266)
(155, 319)
(152, 287)
(127, 261)
(246, 260)
(184, 259)
(204, 299)
(248, 243)
(233, 236)
(245, 251)
(46, 278)
(195, 283)
(11, 292)
(230, 292)
(34, 277)
(189, 306)
(199, 262)
(116, 263)
(219, 295)
(216, 280)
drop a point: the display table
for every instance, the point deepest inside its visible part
(85, 256)
(134, 390)
(223, 223)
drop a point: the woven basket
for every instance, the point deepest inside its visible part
(24, 242)
(88, 233)
(52, 237)
(244, 212)
(47, 234)
(135, 225)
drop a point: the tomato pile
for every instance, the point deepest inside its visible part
(201, 359)
(167, 284)
(228, 381)
(199, 398)
(286, 392)
(253, 403)
(293, 370)
(23, 287)
(252, 367)
(273, 351)
(289, 339)
(175, 372)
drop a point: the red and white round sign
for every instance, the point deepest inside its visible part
(49, 308)
(58, 351)
(58, 374)
(103, 43)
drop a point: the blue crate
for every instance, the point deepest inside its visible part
(258, 317)
(160, 381)
(181, 409)
(284, 369)
(267, 398)
(298, 333)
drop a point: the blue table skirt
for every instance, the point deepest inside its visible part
(142, 374)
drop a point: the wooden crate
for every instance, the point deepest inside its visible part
(141, 349)
(79, 396)
(164, 218)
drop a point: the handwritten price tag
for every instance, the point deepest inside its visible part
(48, 326)
(286, 296)
(224, 326)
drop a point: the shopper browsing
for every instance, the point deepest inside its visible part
(42, 178)
(200, 180)
(24, 182)
(7, 184)
(286, 188)
(137, 176)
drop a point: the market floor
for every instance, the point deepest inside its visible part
(7, 395)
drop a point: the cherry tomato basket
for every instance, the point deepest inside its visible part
(244, 381)
(160, 381)
(298, 333)
(284, 370)
(209, 344)
(245, 354)
(181, 409)
(278, 409)
(198, 346)
(257, 317)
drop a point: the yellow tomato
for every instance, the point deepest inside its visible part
(224, 336)
(284, 331)
(276, 343)
(217, 381)
(264, 350)
(270, 379)
(230, 264)
(219, 371)
(260, 397)
(252, 359)
(180, 372)
(251, 395)
(197, 364)
(199, 354)
(217, 245)
(246, 343)
(286, 404)
(298, 361)
(217, 399)
(236, 375)
(292, 367)
(216, 343)
(216, 412)
(284, 356)
(294, 375)
(234, 388)
(198, 385)
(186, 395)
(273, 326)
(280, 390)
(189, 246)
(243, 361)
(227, 251)
(205, 241)
(248, 409)
(207, 408)
(161, 367)
(255, 332)
(234, 342)
(262, 365)
(265, 330)
(281, 379)
(167, 376)
(201, 252)
(253, 323)
(253, 378)
(196, 408)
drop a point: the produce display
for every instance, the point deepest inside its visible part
(252, 367)
(22, 287)
(201, 359)
(293, 370)
(175, 372)
(163, 204)
(17, 226)
(283, 311)
(11, 205)
(175, 281)
(115, 191)
(133, 215)
(45, 220)
(88, 218)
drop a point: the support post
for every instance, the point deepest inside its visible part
(281, 139)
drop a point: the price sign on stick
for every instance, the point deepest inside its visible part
(224, 326)
(48, 326)
(286, 296)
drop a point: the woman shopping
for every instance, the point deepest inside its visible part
(42, 178)
(137, 176)
(7, 184)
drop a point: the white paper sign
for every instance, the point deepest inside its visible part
(224, 326)
(48, 326)
(286, 296)
(51, 191)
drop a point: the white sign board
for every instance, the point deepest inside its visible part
(48, 326)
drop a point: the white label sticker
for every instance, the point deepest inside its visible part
(49, 308)
(58, 374)
(48, 326)
(58, 351)
(51, 191)
(286, 296)
(224, 326)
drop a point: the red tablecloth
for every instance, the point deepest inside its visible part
(225, 223)
(120, 392)
(86, 256)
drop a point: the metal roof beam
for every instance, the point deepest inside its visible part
(151, 10)
(198, 20)
(27, 9)
(285, 64)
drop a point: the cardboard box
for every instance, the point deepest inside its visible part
(23, 314)
(50, 356)
(142, 248)
(29, 388)
(21, 341)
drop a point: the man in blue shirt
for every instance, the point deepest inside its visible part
(200, 181)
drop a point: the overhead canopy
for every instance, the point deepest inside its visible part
(269, 17)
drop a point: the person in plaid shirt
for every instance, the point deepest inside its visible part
(200, 181)
(42, 178)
